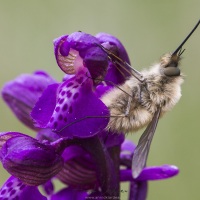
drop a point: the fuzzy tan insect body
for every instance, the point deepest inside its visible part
(136, 109)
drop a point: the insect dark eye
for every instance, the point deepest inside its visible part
(172, 71)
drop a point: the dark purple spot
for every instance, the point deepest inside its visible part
(61, 101)
(12, 192)
(22, 187)
(55, 125)
(76, 95)
(10, 189)
(60, 117)
(70, 84)
(75, 86)
(51, 120)
(65, 107)
(57, 109)
(62, 93)
(20, 183)
(65, 119)
(16, 198)
(69, 94)
(3, 191)
(9, 184)
(70, 109)
(80, 80)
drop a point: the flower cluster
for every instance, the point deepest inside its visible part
(72, 143)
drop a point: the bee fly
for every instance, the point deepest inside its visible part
(143, 98)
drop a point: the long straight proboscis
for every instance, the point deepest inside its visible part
(184, 41)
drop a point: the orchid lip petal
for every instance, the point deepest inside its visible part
(68, 99)
(13, 188)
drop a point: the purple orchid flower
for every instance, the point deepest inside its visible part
(22, 93)
(34, 163)
(72, 142)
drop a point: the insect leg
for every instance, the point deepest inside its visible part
(126, 114)
(87, 117)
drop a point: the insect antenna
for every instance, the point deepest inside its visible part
(184, 41)
(122, 64)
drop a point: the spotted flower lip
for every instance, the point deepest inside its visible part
(69, 102)
(28, 159)
(22, 93)
(13, 188)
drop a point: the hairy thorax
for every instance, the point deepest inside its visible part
(132, 111)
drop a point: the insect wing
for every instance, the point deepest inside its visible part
(142, 149)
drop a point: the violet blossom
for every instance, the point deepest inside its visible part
(72, 144)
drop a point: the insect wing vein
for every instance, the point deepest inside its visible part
(142, 149)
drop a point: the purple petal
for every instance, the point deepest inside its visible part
(81, 41)
(112, 139)
(102, 89)
(107, 172)
(112, 42)
(79, 169)
(44, 108)
(22, 93)
(68, 59)
(72, 102)
(72, 152)
(138, 190)
(47, 135)
(115, 46)
(69, 194)
(13, 188)
(48, 187)
(31, 161)
(127, 147)
(151, 173)
(126, 154)
(77, 50)
(157, 173)
(97, 62)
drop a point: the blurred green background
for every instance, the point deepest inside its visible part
(147, 29)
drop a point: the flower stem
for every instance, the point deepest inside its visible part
(107, 171)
